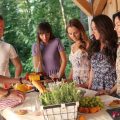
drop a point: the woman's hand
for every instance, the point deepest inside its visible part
(54, 77)
(82, 85)
(3, 92)
(103, 92)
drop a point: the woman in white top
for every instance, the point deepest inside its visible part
(78, 56)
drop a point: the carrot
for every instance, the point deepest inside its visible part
(98, 108)
(82, 117)
(93, 109)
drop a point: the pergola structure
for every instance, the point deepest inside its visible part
(95, 7)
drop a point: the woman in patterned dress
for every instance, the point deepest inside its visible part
(103, 54)
(78, 56)
(116, 21)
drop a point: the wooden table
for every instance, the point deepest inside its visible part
(29, 104)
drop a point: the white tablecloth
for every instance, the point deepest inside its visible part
(30, 101)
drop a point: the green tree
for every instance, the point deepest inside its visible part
(23, 16)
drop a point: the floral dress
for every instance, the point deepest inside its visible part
(118, 67)
(104, 74)
(80, 66)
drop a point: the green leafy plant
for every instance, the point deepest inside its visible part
(91, 102)
(62, 93)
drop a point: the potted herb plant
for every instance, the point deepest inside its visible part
(61, 102)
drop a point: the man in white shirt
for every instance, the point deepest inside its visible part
(7, 52)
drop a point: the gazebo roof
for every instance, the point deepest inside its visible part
(95, 7)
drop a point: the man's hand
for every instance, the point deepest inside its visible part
(3, 92)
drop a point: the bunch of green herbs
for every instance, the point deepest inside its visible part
(62, 93)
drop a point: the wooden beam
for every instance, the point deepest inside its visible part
(85, 6)
(118, 5)
(98, 6)
(110, 8)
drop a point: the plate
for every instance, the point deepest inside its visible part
(21, 112)
(114, 103)
(32, 90)
(23, 87)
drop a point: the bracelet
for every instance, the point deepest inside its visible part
(20, 79)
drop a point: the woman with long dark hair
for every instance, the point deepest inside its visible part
(116, 21)
(103, 54)
(48, 52)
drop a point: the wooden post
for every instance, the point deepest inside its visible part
(110, 8)
(118, 5)
(98, 6)
(84, 6)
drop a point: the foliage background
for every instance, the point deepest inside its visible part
(21, 20)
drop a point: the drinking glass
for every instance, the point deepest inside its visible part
(36, 108)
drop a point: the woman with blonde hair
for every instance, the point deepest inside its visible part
(78, 56)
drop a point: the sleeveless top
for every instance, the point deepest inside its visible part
(80, 66)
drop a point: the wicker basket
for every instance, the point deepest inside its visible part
(67, 111)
